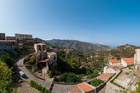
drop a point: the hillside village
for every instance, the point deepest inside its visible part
(64, 70)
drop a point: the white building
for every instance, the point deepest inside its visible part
(114, 62)
(127, 61)
(137, 59)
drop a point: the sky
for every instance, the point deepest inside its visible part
(107, 22)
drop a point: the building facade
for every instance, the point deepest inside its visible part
(2, 36)
(127, 61)
(114, 62)
(137, 59)
(8, 45)
(10, 38)
(23, 36)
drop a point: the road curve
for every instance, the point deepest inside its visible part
(46, 84)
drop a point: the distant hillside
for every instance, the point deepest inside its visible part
(80, 46)
(124, 51)
(43, 41)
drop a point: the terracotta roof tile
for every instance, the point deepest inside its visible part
(114, 61)
(106, 76)
(128, 60)
(75, 89)
(85, 87)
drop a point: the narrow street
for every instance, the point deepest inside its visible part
(29, 77)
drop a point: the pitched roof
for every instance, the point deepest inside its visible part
(114, 61)
(106, 76)
(85, 86)
(128, 60)
(75, 89)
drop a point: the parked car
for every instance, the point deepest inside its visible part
(22, 74)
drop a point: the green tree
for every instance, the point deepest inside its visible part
(5, 78)
(79, 63)
(7, 59)
(73, 63)
(33, 59)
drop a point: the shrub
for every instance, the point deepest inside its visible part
(30, 70)
(49, 72)
(36, 68)
(93, 75)
(96, 82)
(39, 87)
(68, 77)
(27, 58)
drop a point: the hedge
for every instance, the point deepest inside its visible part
(39, 87)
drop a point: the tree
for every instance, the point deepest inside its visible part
(78, 63)
(73, 63)
(5, 78)
(33, 59)
(7, 59)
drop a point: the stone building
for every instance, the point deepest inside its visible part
(10, 38)
(44, 58)
(52, 59)
(23, 36)
(2, 36)
(137, 59)
(8, 45)
(20, 46)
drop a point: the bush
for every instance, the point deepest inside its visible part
(68, 77)
(30, 70)
(93, 75)
(36, 68)
(81, 76)
(27, 58)
(39, 87)
(96, 82)
(49, 72)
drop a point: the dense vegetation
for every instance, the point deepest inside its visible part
(68, 78)
(5, 78)
(80, 46)
(39, 87)
(69, 62)
(75, 62)
(7, 59)
(96, 82)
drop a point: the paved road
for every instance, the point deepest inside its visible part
(46, 84)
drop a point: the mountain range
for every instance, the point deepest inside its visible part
(83, 47)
